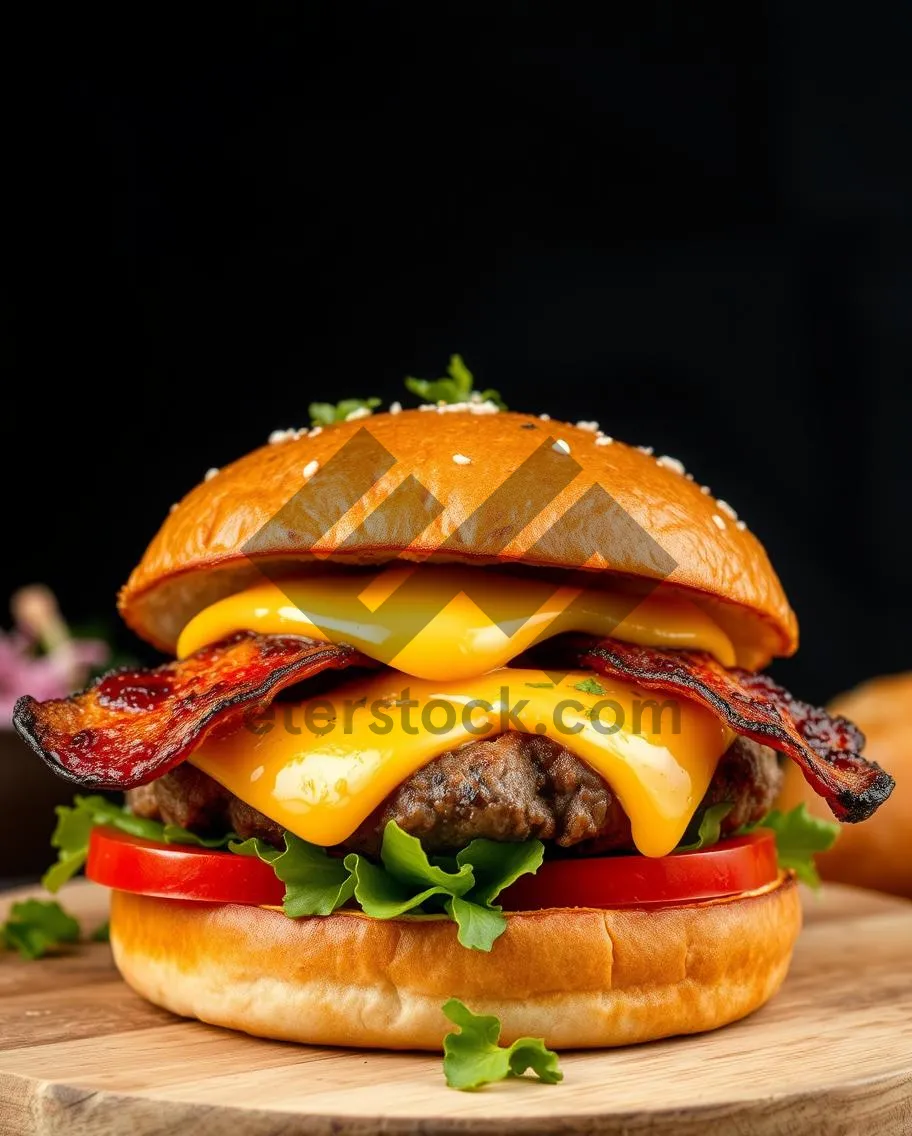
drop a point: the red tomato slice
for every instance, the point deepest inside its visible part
(731, 866)
(181, 871)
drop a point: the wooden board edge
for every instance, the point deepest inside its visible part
(881, 1105)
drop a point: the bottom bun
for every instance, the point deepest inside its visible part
(575, 976)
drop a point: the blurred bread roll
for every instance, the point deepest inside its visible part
(876, 853)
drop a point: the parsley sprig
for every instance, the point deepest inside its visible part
(456, 386)
(326, 413)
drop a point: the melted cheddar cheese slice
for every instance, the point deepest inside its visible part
(319, 767)
(447, 623)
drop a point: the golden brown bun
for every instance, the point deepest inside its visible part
(200, 553)
(575, 976)
(876, 853)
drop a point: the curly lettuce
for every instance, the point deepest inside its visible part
(74, 827)
(406, 881)
(472, 1056)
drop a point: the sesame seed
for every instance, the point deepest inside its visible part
(724, 507)
(667, 462)
(173, 507)
(358, 412)
(485, 407)
(718, 522)
(740, 526)
(311, 468)
(280, 436)
(604, 440)
(705, 490)
(461, 459)
(561, 447)
(315, 432)
(592, 427)
(395, 408)
(210, 473)
(648, 450)
(545, 417)
(689, 476)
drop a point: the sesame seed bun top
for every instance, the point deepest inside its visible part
(474, 488)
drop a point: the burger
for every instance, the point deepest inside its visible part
(463, 703)
(865, 855)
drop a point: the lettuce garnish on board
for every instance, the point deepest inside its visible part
(472, 1057)
(37, 926)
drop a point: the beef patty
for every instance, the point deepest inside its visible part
(507, 788)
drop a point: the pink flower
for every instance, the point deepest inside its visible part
(51, 675)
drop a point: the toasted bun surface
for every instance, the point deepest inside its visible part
(876, 853)
(578, 977)
(254, 511)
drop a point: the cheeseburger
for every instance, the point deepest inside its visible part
(463, 703)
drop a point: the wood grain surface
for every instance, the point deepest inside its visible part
(81, 1055)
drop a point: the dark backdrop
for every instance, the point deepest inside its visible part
(695, 229)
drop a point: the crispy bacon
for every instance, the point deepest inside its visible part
(825, 748)
(134, 725)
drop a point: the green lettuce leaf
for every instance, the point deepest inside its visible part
(464, 888)
(455, 387)
(479, 927)
(380, 894)
(710, 830)
(36, 926)
(495, 866)
(315, 883)
(798, 837)
(472, 1057)
(174, 834)
(326, 413)
(407, 878)
(255, 847)
(75, 823)
(406, 881)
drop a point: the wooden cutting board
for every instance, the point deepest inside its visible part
(81, 1055)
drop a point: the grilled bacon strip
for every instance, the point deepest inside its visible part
(825, 748)
(134, 725)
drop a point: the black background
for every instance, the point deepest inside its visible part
(692, 226)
